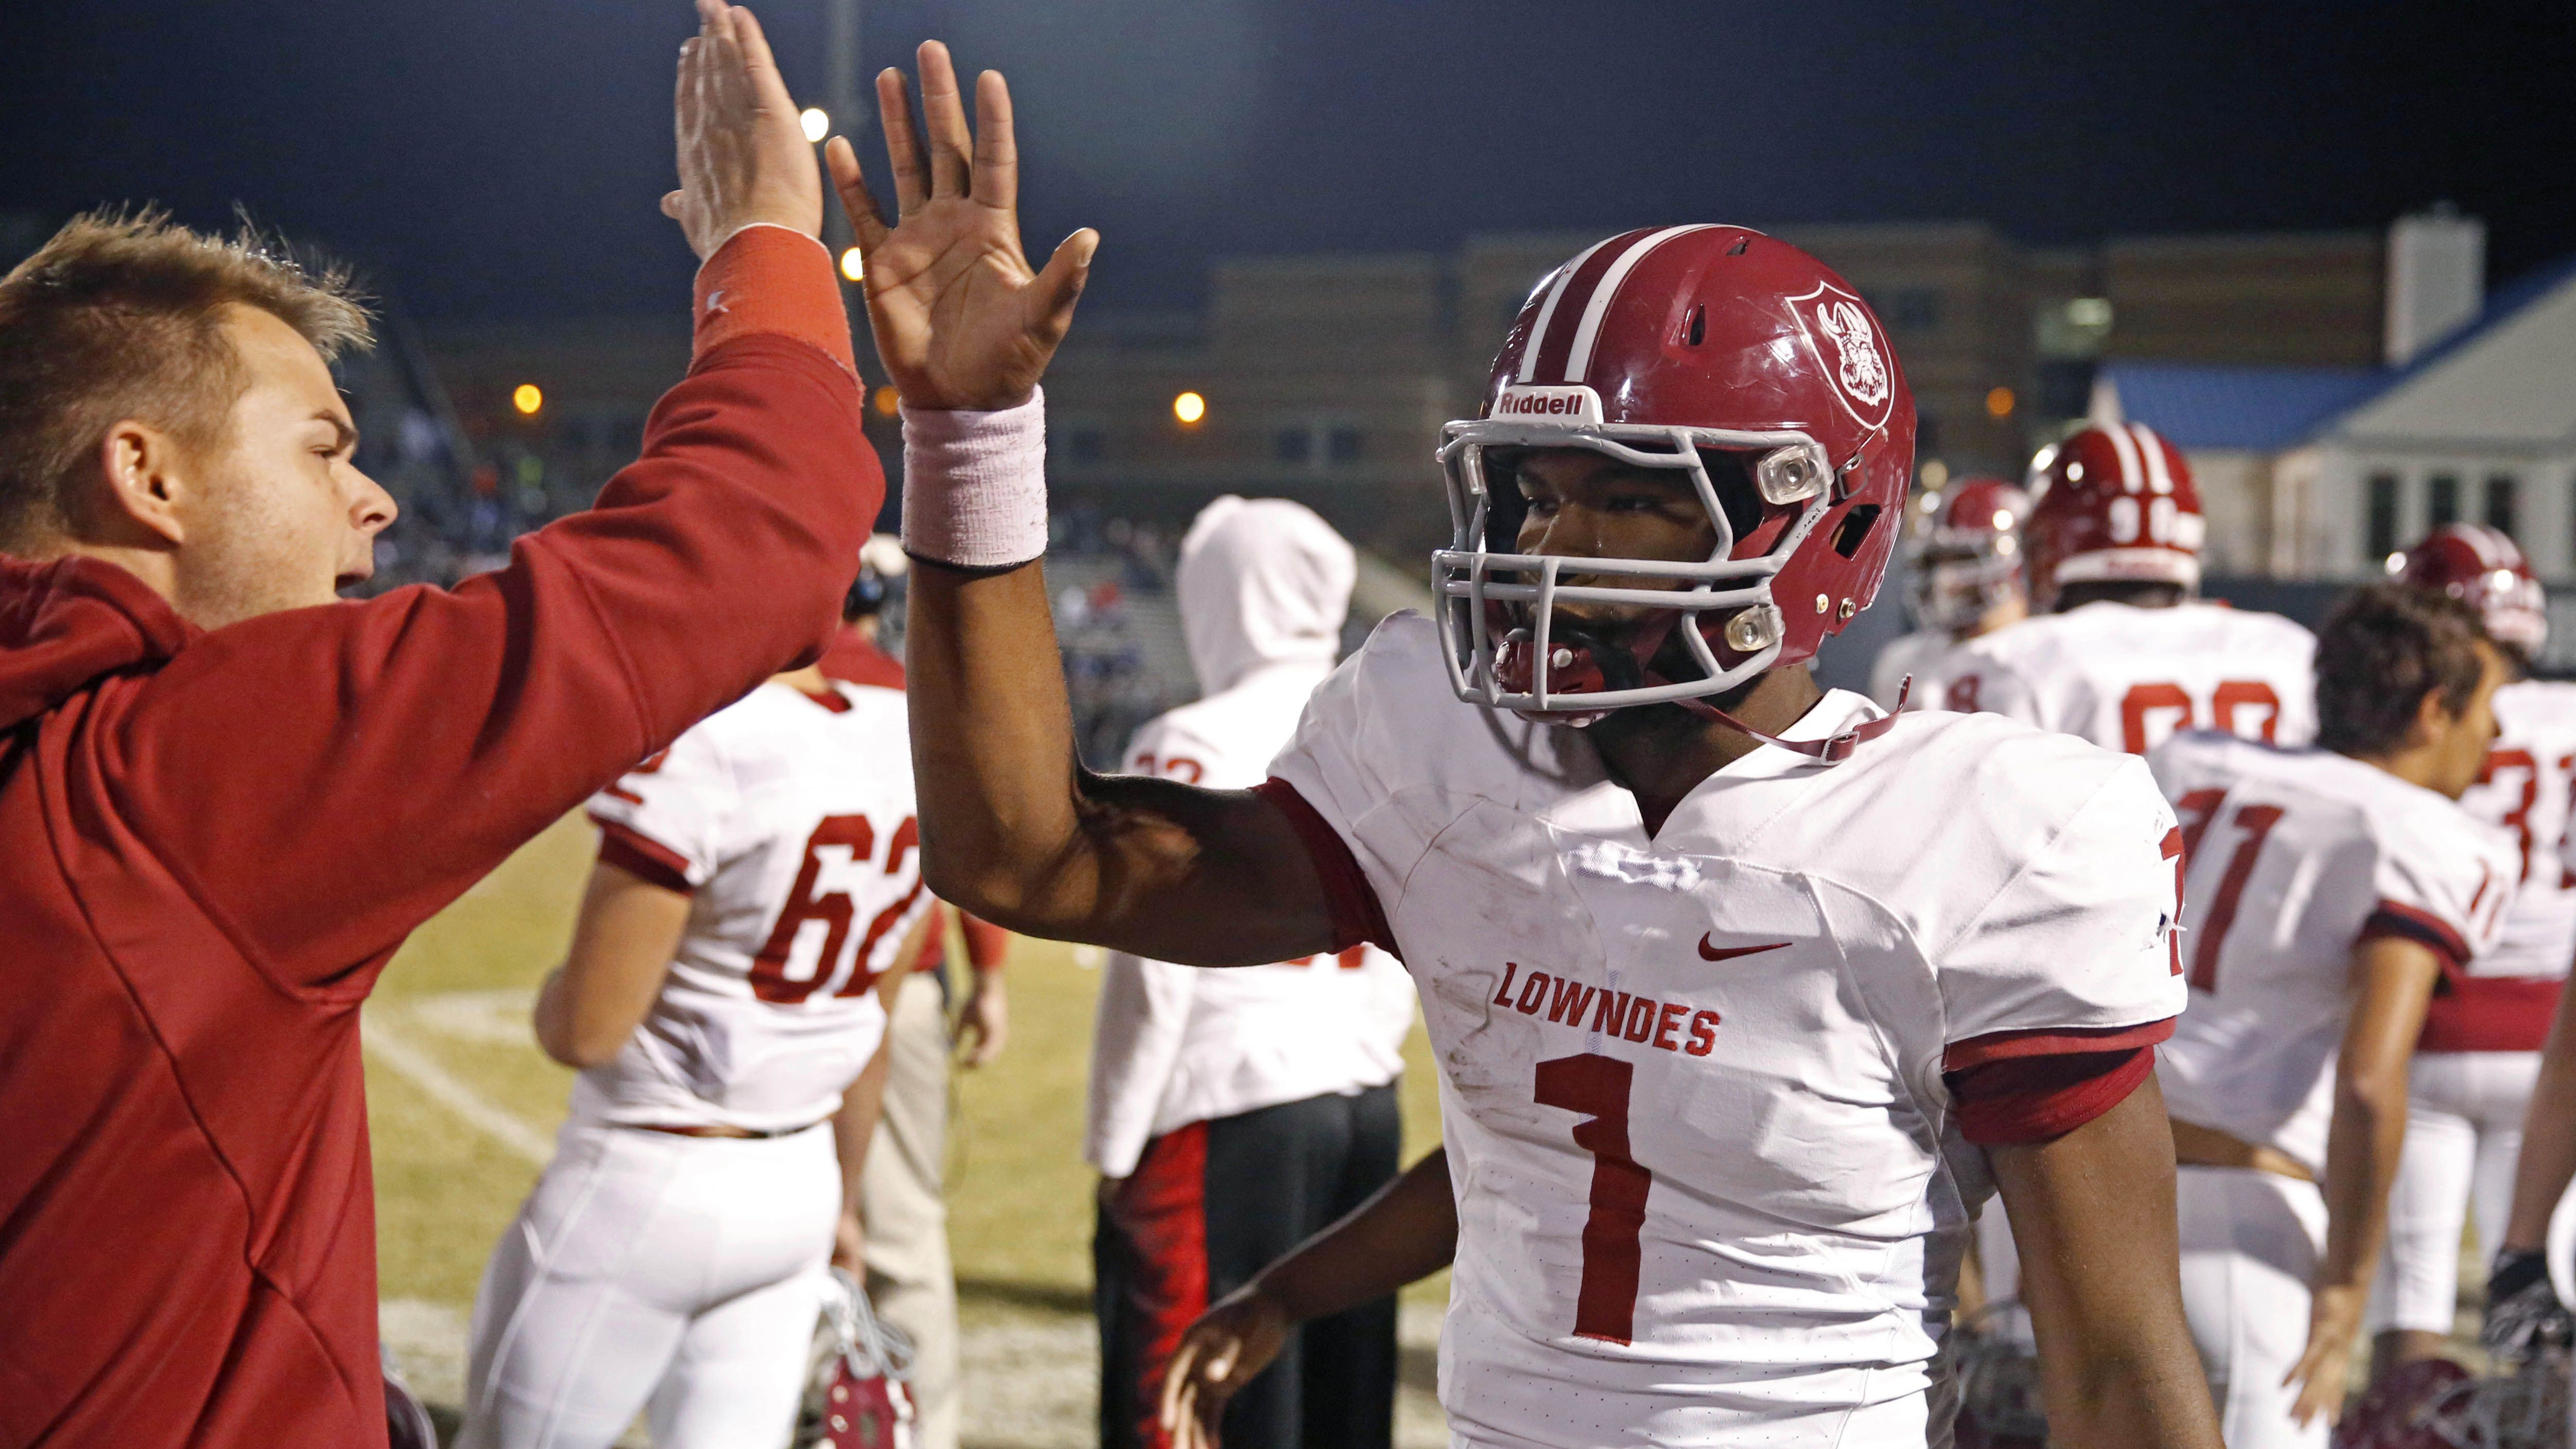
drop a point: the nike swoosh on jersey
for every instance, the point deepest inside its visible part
(1711, 952)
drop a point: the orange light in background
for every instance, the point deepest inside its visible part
(887, 400)
(527, 397)
(1999, 403)
(853, 266)
(1189, 407)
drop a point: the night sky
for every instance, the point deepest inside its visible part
(502, 157)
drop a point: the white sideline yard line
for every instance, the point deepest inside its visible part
(424, 1072)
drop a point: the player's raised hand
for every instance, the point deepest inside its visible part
(744, 159)
(1231, 1342)
(961, 320)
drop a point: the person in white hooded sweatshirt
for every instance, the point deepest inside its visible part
(1234, 1114)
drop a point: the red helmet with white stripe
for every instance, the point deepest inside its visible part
(2483, 568)
(1666, 348)
(1964, 554)
(2115, 505)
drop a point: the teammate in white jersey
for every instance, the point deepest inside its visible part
(2123, 652)
(1743, 997)
(757, 897)
(2480, 1051)
(1963, 580)
(1235, 1114)
(2332, 891)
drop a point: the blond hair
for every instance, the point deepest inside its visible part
(120, 316)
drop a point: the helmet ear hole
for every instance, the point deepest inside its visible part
(1855, 529)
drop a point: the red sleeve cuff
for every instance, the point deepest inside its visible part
(771, 279)
(1357, 917)
(643, 857)
(2017, 1101)
(2409, 923)
(2052, 1041)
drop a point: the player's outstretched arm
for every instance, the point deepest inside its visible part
(2393, 980)
(2093, 1214)
(1012, 829)
(1407, 1232)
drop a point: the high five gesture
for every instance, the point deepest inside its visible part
(743, 159)
(961, 320)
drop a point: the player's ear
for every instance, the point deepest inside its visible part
(143, 475)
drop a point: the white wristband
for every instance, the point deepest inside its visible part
(974, 485)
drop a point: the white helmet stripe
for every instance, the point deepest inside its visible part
(2152, 448)
(2132, 477)
(1547, 310)
(1579, 360)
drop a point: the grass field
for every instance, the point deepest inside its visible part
(463, 1107)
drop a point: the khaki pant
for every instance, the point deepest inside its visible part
(904, 1208)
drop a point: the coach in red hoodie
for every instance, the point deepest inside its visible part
(226, 797)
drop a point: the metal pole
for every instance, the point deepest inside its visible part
(849, 115)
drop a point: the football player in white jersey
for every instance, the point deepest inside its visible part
(2122, 650)
(1963, 580)
(2480, 1052)
(1234, 1114)
(1744, 997)
(757, 897)
(2332, 890)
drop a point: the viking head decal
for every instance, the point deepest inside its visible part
(1847, 341)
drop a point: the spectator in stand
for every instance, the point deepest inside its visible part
(1235, 1114)
(903, 1204)
(226, 797)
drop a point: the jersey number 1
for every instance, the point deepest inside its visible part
(1597, 1088)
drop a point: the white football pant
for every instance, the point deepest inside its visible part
(903, 1209)
(677, 1276)
(2250, 1245)
(2463, 1132)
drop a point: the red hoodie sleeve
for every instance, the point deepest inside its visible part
(325, 779)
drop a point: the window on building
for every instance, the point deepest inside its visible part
(2383, 516)
(1342, 445)
(1293, 445)
(2441, 500)
(2502, 504)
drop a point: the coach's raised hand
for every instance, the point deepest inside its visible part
(744, 160)
(961, 321)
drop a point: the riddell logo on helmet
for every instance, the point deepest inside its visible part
(1839, 327)
(1570, 405)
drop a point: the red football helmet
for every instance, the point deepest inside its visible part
(2114, 503)
(1964, 552)
(1654, 347)
(855, 1395)
(2481, 567)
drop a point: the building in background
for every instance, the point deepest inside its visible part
(2316, 474)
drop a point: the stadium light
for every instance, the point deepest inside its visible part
(1189, 407)
(853, 266)
(816, 121)
(888, 402)
(1999, 403)
(527, 397)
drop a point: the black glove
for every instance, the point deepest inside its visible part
(2523, 1311)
